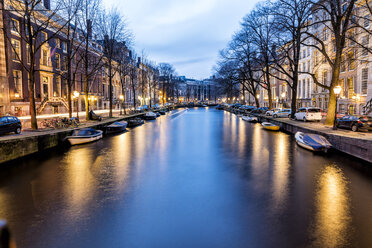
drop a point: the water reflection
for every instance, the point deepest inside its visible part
(281, 167)
(78, 182)
(332, 220)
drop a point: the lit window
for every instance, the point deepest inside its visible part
(16, 46)
(58, 61)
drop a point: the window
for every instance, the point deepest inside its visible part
(308, 66)
(58, 61)
(28, 54)
(58, 43)
(14, 26)
(351, 61)
(366, 21)
(364, 81)
(325, 34)
(365, 42)
(44, 57)
(17, 77)
(64, 46)
(324, 78)
(342, 68)
(57, 90)
(16, 46)
(350, 87)
(44, 36)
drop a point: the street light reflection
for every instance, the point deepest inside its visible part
(281, 171)
(332, 223)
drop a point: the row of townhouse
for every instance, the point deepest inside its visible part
(182, 89)
(51, 80)
(355, 74)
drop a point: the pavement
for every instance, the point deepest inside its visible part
(319, 126)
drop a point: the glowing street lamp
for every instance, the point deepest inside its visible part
(121, 97)
(337, 90)
(16, 95)
(76, 95)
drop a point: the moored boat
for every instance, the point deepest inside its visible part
(157, 114)
(312, 142)
(84, 135)
(162, 112)
(117, 126)
(135, 122)
(250, 118)
(150, 116)
(270, 126)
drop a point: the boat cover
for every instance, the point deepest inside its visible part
(316, 141)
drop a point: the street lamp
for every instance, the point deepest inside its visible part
(283, 96)
(76, 95)
(337, 90)
(121, 97)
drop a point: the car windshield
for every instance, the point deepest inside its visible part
(313, 110)
(3, 119)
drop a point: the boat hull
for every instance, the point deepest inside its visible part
(270, 126)
(316, 148)
(78, 140)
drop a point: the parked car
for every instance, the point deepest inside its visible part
(355, 123)
(308, 114)
(10, 124)
(272, 111)
(282, 113)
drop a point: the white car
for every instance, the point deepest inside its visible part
(308, 114)
(282, 113)
(272, 111)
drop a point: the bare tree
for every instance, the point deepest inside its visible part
(112, 30)
(334, 17)
(37, 21)
(290, 18)
(166, 71)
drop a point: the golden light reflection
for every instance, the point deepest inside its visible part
(332, 220)
(79, 182)
(280, 171)
(242, 138)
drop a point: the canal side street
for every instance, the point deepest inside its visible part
(357, 144)
(15, 146)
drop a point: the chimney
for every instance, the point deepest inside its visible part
(47, 4)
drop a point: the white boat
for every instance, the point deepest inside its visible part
(250, 118)
(84, 135)
(270, 126)
(150, 116)
(312, 142)
(117, 126)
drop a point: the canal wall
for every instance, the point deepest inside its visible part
(15, 147)
(357, 147)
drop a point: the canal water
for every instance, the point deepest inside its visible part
(193, 178)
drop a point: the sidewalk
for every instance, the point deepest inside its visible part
(320, 127)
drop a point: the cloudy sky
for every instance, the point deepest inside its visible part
(185, 33)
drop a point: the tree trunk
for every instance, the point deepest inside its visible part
(31, 88)
(110, 88)
(331, 112)
(257, 101)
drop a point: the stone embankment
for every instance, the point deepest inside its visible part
(357, 144)
(30, 142)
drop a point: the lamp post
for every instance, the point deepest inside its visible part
(121, 97)
(76, 95)
(283, 96)
(337, 90)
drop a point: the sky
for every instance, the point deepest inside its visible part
(185, 33)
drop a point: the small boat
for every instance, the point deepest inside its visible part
(162, 112)
(157, 114)
(204, 106)
(117, 126)
(219, 107)
(150, 116)
(135, 122)
(313, 142)
(270, 126)
(84, 135)
(250, 118)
